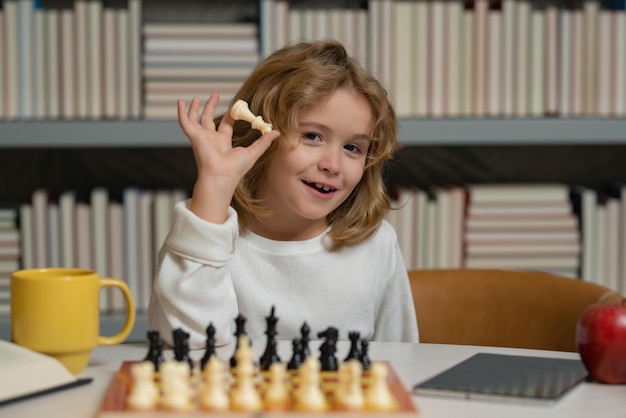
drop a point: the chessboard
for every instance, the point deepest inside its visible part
(115, 401)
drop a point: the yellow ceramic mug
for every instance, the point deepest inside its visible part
(56, 311)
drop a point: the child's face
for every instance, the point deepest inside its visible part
(310, 176)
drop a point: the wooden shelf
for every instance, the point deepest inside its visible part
(166, 133)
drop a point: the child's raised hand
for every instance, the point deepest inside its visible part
(220, 166)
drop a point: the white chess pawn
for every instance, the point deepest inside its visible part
(378, 396)
(144, 394)
(349, 393)
(309, 396)
(244, 395)
(241, 111)
(276, 396)
(214, 394)
(175, 381)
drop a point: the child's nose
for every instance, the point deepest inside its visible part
(330, 161)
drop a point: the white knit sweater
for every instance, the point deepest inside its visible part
(208, 273)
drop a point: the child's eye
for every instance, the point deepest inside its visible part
(353, 148)
(312, 136)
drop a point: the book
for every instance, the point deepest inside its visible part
(500, 377)
(26, 373)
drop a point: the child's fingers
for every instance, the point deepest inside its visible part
(258, 147)
(193, 109)
(208, 113)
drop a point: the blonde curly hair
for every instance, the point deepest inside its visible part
(295, 78)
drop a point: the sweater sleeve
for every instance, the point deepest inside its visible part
(192, 286)
(396, 320)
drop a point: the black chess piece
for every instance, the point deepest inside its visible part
(240, 323)
(296, 358)
(271, 353)
(328, 360)
(181, 346)
(353, 353)
(304, 333)
(155, 350)
(210, 346)
(363, 355)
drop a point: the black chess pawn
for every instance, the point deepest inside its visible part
(296, 358)
(155, 350)
(353, 353)
(240, 323)
(328, 360)
(270, 355)
(210, 346)
(363, 355)
(181, 346)
(304, 333)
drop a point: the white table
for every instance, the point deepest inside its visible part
(412, 362)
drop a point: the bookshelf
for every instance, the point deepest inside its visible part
(412, 132)
(580, 148)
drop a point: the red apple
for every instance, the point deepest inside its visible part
(601, 339)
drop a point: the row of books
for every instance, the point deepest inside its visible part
(185, 60)
(118, 239)
(506, 58)
(440, 58)
(70, 63)
(556, 228)
(9, 252)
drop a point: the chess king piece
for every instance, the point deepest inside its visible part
(241, 111)
(270, 355)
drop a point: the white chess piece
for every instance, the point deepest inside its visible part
(175, 381)
(349, 393)
(214, 394)
(144, 394)
(244, 395)
(241, 111)
(378, 396)
(276, 396)
(309, 396)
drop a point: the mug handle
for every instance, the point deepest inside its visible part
(130, 312)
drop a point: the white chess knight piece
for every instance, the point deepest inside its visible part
(241, 111)
(214, 394)
(144, 394)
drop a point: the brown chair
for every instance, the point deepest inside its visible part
(502, 308)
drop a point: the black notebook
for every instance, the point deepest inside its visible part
(509, 378)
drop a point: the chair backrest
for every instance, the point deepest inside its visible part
(502, 308)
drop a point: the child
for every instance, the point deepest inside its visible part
(292, 218)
